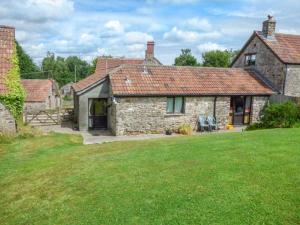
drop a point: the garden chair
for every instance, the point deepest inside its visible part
(212, 125)
(202, 123)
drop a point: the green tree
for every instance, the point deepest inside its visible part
(82, 67)
(57, 69)
(219, 58)
(186, 59)
(27, 67)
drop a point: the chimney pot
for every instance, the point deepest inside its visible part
(150, 50)
(269, 27)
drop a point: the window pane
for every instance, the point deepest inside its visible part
(170, 104)
(248, 104)
(178, 105)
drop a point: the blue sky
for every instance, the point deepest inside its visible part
(89, 28)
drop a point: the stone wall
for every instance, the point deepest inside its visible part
(148, 114)
(292, 83)
(31, 107)
(7, 121)
(258, 103)
(266, 62)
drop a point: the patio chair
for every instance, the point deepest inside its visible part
(211, 120)
(202, 123)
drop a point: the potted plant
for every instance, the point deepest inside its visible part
(169, 131)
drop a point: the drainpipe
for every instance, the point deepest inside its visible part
(215, 106)
(284, 82)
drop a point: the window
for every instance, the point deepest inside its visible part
(250, 59)
(175, 105)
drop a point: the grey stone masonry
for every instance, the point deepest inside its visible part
(266, 63)
(7, 121)
(148, 114)
(258, 103)
(292, 82)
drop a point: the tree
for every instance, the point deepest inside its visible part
(57, 69)
(27, 67)
(186, 59)
(218, 58)
(82, 67)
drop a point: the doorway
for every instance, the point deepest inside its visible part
(97, 114)
(241, 109)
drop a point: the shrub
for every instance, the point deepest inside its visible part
(185, 129)
(284, 115)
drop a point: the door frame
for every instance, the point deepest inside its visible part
(244, 109)
(90, 117)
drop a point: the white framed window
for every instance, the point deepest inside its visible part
(175, 105)
(250, 59)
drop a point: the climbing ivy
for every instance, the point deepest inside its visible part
(14, 98)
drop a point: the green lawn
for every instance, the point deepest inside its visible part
(236, 178)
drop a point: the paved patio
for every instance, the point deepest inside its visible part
(99, 137)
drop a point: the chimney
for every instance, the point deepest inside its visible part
(7, 41)
(269, 26)
(150, 50)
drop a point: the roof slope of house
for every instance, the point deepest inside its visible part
(104, 65)
(139, 80)
(7, 40)
(37, 90)
(285, 46)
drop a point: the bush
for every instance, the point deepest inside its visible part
(185, 129)
(285, 115)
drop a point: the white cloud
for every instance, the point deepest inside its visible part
(198, 23)
(136, 47)
(114, 25)
(209, 46)
(136, 37)
(37, 11)
(189, 36)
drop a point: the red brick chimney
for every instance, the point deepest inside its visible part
(150, 50)
(7, 41)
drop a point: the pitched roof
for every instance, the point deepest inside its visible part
(7, 40)
(103, 66)
(285, 46)
(171, 80)
(37, 90)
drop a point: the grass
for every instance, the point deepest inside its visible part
(238, 178)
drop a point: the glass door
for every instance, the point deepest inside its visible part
(97, 113)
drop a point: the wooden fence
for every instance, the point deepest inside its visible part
(283, 99)
(48, 118)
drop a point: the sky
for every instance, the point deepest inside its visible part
(90, 28)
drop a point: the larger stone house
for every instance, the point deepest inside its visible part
(139, 97)
(7, 41)
(275, 56)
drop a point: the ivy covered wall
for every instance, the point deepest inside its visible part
(13, 99)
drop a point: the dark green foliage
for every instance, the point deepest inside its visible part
(63, 70)
(186, 59)
(217, 58)
(27, 67)
(284, 115)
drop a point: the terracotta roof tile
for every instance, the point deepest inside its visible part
(7, 40)
(104, 65)
(171, 80)
(37, 90)
(285, 46)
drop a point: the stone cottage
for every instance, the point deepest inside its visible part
(41, 94)
(139, 97)
(7, 41)
(275, 56)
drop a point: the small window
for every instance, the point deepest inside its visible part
(175, 105)
(250, 59)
